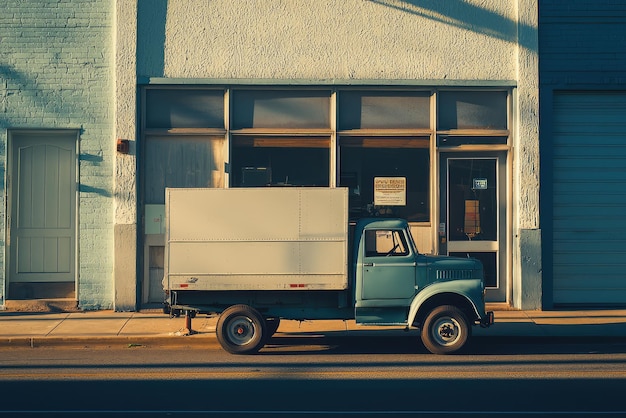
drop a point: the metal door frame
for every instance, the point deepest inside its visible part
(501, 292)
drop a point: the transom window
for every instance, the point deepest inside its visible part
(184, 108)
(472, 110)
(384, 110)
(282, 109)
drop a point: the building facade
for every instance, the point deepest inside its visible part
(438, 101)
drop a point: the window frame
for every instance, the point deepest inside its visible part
(478, 139)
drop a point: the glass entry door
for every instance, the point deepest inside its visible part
(473, 215)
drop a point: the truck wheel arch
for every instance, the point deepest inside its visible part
(420, 308)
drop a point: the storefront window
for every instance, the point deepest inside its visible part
(284, 109)
(473, 200)
(472, 110)
(280, 138)
(456, 141)
(363, 160)
(184, 108)
(384, 110)
(181, 161)
(266, 161)
(376, 141)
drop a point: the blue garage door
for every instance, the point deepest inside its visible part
(589, 192)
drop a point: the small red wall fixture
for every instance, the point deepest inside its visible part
(123, 146)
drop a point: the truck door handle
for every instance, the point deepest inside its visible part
(368, 264)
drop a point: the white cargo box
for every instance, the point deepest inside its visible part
(256, 239)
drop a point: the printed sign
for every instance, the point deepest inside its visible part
(480, 184)
(390, 191)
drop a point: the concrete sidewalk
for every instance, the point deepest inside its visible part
(155, 328)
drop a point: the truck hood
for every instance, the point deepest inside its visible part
(453, 268)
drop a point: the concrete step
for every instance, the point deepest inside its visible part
(41, 305)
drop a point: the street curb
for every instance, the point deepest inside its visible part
(111, 342)
(200, 340)
(208, 341)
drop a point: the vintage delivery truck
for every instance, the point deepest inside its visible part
(256, 255)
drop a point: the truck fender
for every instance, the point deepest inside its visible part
(453, 289)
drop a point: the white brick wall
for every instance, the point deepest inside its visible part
(56, 72)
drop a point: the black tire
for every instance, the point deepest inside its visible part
(271, 326)
(445, 330)
(241, 330)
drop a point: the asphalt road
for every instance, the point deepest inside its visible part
(321, 377)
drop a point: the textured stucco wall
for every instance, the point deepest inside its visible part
(526, 139)
(329, 39)
(528, 290)
(55, 72)
(125, 205)
(526, 232)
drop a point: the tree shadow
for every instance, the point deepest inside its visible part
(460, 14)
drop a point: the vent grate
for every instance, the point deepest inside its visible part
(454, 274)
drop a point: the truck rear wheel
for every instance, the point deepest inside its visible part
(445, 330)
(241, 330)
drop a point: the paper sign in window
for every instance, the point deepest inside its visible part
(390, 191)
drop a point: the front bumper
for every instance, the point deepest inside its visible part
(487, 320)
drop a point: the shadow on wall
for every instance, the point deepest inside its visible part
(44, 101)
(15, 82)
(12, 82)
(151, 23)
(461, 14)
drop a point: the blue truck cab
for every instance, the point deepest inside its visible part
(396, 285)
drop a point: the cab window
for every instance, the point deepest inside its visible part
(385, 243)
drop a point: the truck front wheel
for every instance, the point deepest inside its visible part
(240, 330)
(445, 330)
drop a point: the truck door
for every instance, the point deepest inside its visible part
(387, 277)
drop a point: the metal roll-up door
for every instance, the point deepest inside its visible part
(589, 198)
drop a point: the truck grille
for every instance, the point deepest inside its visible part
(454, 274)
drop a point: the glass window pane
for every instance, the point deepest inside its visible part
(472, 200)
(455, 141)
(184, 108)
(181, 161)
(384, 142)
(383, 110)
(472, 110)
(384, 243)
(359, 166)
(262, 161)
(280, 109)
